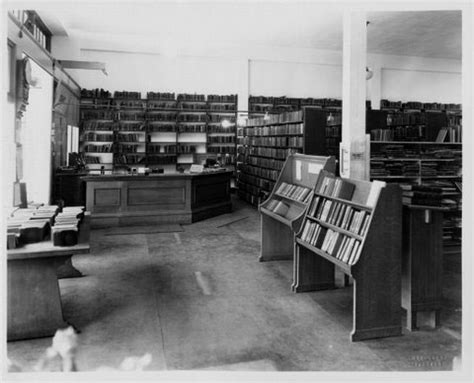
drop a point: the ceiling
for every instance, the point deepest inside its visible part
(434, 34)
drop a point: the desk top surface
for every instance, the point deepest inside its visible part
(46, 248)
(154, 176)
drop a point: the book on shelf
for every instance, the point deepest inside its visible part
(278, 207)
(336, 187)
(442, 134)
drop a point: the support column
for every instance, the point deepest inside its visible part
(355, 149)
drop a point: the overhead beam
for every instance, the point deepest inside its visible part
(88, 65)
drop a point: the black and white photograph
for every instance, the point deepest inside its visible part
(236, 190)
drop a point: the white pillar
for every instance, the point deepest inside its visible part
(355, 150)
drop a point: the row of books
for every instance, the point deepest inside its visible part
(157, 105)
(221, 139)
(259, 172)
(192, 128)
(91, 148)
(294, 101)
(192, 118)
(91, 136)
(343, 247)
(265, 152)
(418, 105)
(261, 183)
(160, 96)
(129, 137)
(190, 106)
(278, 207)
(394, 169)
(335, 187)
(223, 107)
(191, 97)
(168, 96)
(92, 159)
(130, 116)
(281, 142)
(414, 150)
(135, 104)
(276, 118)
(295, 192)
(221, 149)
(219, 129)
(401, 118)
(224, 98)
(110, 126)
(127, 94)
(277, 130)
(117, 104)
(267, 163)
(98, 115)
(450, 134)
(95, 93)
(123, 148)
(341, 215)
(130, 159)
(399, 133)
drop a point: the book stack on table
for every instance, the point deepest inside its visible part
(66, 227)
(34, 224)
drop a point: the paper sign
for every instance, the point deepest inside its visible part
(195, 168)
(314, 168)
(298, 170)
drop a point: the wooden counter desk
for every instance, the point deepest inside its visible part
(157, 198)
(34, 299)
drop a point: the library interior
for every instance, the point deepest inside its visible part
(256, 187)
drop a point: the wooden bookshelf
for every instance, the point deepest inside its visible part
(356, 227)
(282, 213)
(264, 144)
(171, 131)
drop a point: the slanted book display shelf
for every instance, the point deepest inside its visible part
(283, 211)
(357, 226)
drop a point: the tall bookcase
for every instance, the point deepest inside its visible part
(282, 213)
(265, 142)
(408, 146)
(356, 226)
(160, 132)
(260, 105)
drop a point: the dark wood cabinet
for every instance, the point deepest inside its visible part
(422, 264)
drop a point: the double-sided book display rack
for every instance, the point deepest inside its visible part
(357, 226)
(283, 211)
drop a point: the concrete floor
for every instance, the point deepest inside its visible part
(199, 299)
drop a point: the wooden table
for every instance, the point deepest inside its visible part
(34, 299)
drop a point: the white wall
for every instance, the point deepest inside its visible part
(256, 70)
